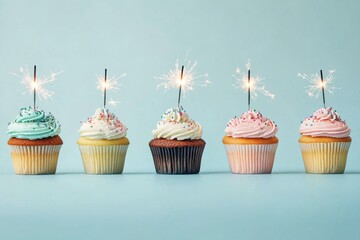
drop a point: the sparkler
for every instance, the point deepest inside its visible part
(322, 87)
(35, 84)
(106, 83)
(249, 89)
(181, 77)
(252, 85)
(105, 88)
(184, 78)
(319, 84)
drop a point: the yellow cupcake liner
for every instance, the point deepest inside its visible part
(103, 159)
(34, 160)
(251, 158)
(325, 157)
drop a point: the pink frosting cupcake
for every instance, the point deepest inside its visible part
(324, 142)
(250, 143)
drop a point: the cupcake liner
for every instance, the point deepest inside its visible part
(35, 159)
(177, 160)
(325, 157)
(103, 159)
(252, 158)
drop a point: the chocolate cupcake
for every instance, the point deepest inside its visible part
(177, 146)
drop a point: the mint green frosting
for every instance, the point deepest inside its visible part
(33, 124)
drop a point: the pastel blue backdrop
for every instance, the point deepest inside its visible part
(144, 39)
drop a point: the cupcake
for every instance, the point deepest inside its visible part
(103, 143)
(34, 142)
(324, 142)
(250, 143)
(177, 146)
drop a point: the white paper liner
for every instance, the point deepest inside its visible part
(252, 158)
(35, 159)
(325, 157)
(103, 159)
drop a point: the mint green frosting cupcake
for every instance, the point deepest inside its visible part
(33, 124)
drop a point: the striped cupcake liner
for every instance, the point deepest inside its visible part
(103, 159)
(34, 160)
(177, 160)
(252, 158)
(325, 157)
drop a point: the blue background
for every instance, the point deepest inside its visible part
(144, 39)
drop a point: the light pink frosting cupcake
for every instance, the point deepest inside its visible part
(324, 123)
(251, 124)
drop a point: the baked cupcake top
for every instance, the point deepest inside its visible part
(324, 123)
(33, 124)
(103, 125)
(251, 124)
(176, 124)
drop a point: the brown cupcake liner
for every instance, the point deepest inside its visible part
(177, 160)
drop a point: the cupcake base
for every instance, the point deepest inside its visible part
(34, 160)
(103, 156)
(177, 156)
(324, 155)
(32, 157)
(103, 159)
(250, 156)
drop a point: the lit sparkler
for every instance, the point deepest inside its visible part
(35, 84)
(252, 85)
(319, 84)
(105, 83)
(184, 78)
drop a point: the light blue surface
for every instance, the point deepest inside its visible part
(144, 39)
(204, 206)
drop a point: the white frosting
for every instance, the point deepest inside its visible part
(176, 124)
(103, 125)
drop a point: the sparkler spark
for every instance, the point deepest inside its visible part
(190, 78)
(111, 83)
(27, 80)
(315, 87)
(256, 85)
(112, 103)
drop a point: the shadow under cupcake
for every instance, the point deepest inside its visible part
(177, 146)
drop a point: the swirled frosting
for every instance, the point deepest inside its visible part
(176, 124)
(251, 124)
(103, 125)
(33, 124)
(324, 123)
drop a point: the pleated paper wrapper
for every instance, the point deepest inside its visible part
(252, 158)
(325, 157)
(35, 159)
(177, 160)
(103, 159)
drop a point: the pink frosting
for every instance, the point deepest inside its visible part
(324, 123)
(251, 124)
